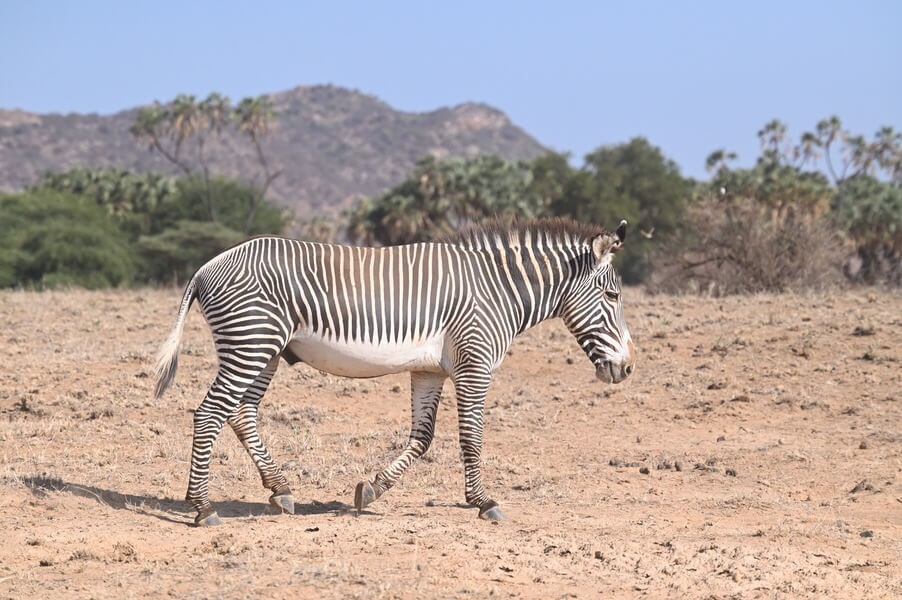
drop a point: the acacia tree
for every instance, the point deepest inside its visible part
(184, 124)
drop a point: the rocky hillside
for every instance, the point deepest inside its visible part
(331, 144)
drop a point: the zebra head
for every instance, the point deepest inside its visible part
(593, 312)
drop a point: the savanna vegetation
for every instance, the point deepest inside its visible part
(782, 224)
(99, 228)
(811, 212)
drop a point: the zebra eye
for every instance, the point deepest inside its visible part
(612, 295)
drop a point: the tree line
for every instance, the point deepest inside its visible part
(809, 210)
(778, 225)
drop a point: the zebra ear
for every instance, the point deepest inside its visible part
(621, 231)
(618, 238)
(602, 247)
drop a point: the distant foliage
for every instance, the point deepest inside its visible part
(779, 226)
(120, 191)
(132, 199)
(783, 190)
(869, 211)
(632, 181)
(109, 227)
(782, 224)
(51, 238)
(739, 245)
(319, 228)
(173, 255)
(184, 130)
(233, 202)
(441, 196)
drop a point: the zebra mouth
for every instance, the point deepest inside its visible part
(604, 372)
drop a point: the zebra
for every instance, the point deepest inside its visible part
(439, 310)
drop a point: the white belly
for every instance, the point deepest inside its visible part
(363, 359)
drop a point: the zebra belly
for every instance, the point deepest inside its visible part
(366, 359)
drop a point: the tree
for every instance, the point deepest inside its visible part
(319, 228)
(156, 214)
(254, 118)
(130, 198)
(233, 201)
(441, 196)
(176, 253)
(551, 174)
(169, 129)
(718, 161)
(632, 181)
(731, 244)
(50, 238)
(863, 200)
(869, 211)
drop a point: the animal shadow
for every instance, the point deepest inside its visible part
(171, 509)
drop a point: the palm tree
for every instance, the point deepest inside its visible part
(717, 160)
(828, 131)
(254, 118)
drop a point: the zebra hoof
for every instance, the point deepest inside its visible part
(490, 512)
(209, 520)
(364, 494)
(283, 502)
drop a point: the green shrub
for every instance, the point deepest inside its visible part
(232, 201)
(174, 254)
(50, 238)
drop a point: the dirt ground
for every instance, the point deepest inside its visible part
(755, 453)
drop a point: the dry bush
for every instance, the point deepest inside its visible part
(740, 246)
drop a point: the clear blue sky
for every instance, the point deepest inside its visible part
(689, 76)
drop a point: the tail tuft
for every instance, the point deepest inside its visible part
(168, 357)
(165, 371)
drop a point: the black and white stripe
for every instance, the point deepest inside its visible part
(438, 310)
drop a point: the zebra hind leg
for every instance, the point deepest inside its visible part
(216, 408)
(425, 393)
(238, 370)
(244, 423)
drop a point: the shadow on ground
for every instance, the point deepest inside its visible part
(171, 509)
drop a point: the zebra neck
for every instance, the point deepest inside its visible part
(532, 281)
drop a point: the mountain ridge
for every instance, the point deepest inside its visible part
(331, 144)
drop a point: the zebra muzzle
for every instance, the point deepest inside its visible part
(608, 372)
(604, 371)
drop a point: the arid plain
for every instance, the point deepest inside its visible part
(755, 453)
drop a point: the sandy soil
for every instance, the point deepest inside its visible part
(756, 453)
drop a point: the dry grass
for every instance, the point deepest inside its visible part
(741, 246)
(747, 457)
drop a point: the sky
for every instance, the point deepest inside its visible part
(689, 76)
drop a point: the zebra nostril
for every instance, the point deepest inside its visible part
(628, 369)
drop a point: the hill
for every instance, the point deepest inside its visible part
(332, 145)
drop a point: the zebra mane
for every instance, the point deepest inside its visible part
(496, 232)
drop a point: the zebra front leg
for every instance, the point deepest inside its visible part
(471, 390)
(425, 393)
(209, 418)
(244, 423)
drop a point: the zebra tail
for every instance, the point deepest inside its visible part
(168, 356)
